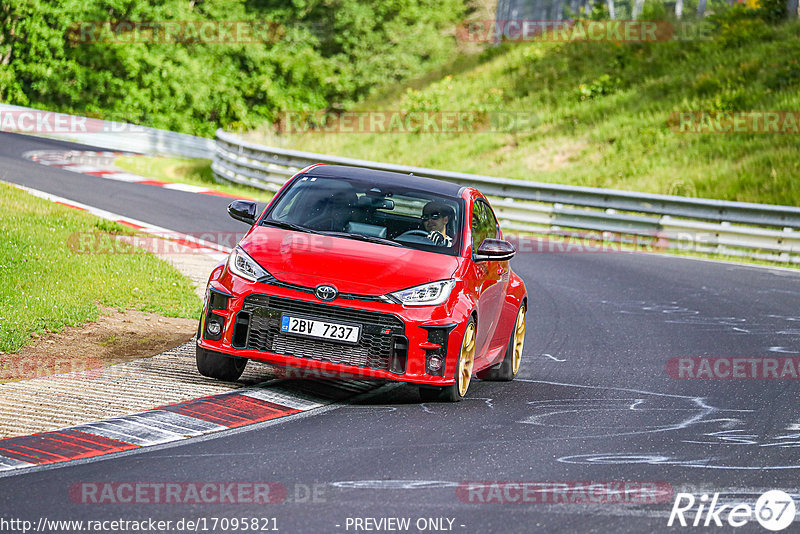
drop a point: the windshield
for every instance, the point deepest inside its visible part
(383, 213)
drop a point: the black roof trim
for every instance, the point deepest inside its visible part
(404, 180)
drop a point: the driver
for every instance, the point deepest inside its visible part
(435, 217)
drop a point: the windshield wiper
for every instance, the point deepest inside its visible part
(289, 226)
(362, 237)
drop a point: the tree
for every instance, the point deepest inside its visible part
(637, 8)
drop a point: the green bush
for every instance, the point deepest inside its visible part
(329, 53)
(604, 85)
(772, 10)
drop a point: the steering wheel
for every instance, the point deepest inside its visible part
(418, 233)
(423, 237)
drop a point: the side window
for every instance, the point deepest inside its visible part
(477, 210)
(492, 228)
(484, 224)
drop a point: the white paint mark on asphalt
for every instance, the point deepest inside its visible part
(783, 350)
(726, 437)
(553, 357)
(636, 403)
(697, 405)
(487, 400)
(626, 458)
(699, 410)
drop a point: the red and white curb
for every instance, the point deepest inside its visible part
(197, 244)
(79, 161)
(175, 422)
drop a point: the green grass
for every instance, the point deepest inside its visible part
(46, 285)
(186, 171)
(602, 113)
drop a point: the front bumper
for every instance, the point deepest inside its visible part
(396, 343)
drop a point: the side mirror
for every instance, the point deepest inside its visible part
(243, 210)
(495, 250)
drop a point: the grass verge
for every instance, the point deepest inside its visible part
(45, 285)
(186, 171)
(604, 115)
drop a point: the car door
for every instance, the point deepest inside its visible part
(488, 277)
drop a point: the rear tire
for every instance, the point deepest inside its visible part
(463, 372)
(220, 366)
(509, 367)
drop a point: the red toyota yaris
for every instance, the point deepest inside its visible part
(362, 273)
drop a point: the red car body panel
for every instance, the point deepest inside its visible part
(377, 271)
(487, 290)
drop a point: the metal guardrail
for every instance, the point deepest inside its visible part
(120, 136)
(761, 231)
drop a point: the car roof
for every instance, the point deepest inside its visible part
(385, 177)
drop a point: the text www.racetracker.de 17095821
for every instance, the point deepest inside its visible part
(176, 526)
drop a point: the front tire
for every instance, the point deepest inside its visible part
(508, 369)
(220, 366)
(463, 372)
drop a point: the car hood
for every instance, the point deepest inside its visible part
(351, 266)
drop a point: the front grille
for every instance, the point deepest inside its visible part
(382, 345)
(271, 280)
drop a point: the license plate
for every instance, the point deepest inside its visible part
(304, 326)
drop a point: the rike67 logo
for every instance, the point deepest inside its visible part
(774, 510)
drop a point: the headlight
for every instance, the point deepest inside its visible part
(426, 294)
(241, 264)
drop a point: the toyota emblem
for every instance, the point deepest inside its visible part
(326, 292)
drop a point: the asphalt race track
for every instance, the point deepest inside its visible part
(593, 402)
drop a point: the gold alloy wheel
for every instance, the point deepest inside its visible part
(519, 340)
(467, 359)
